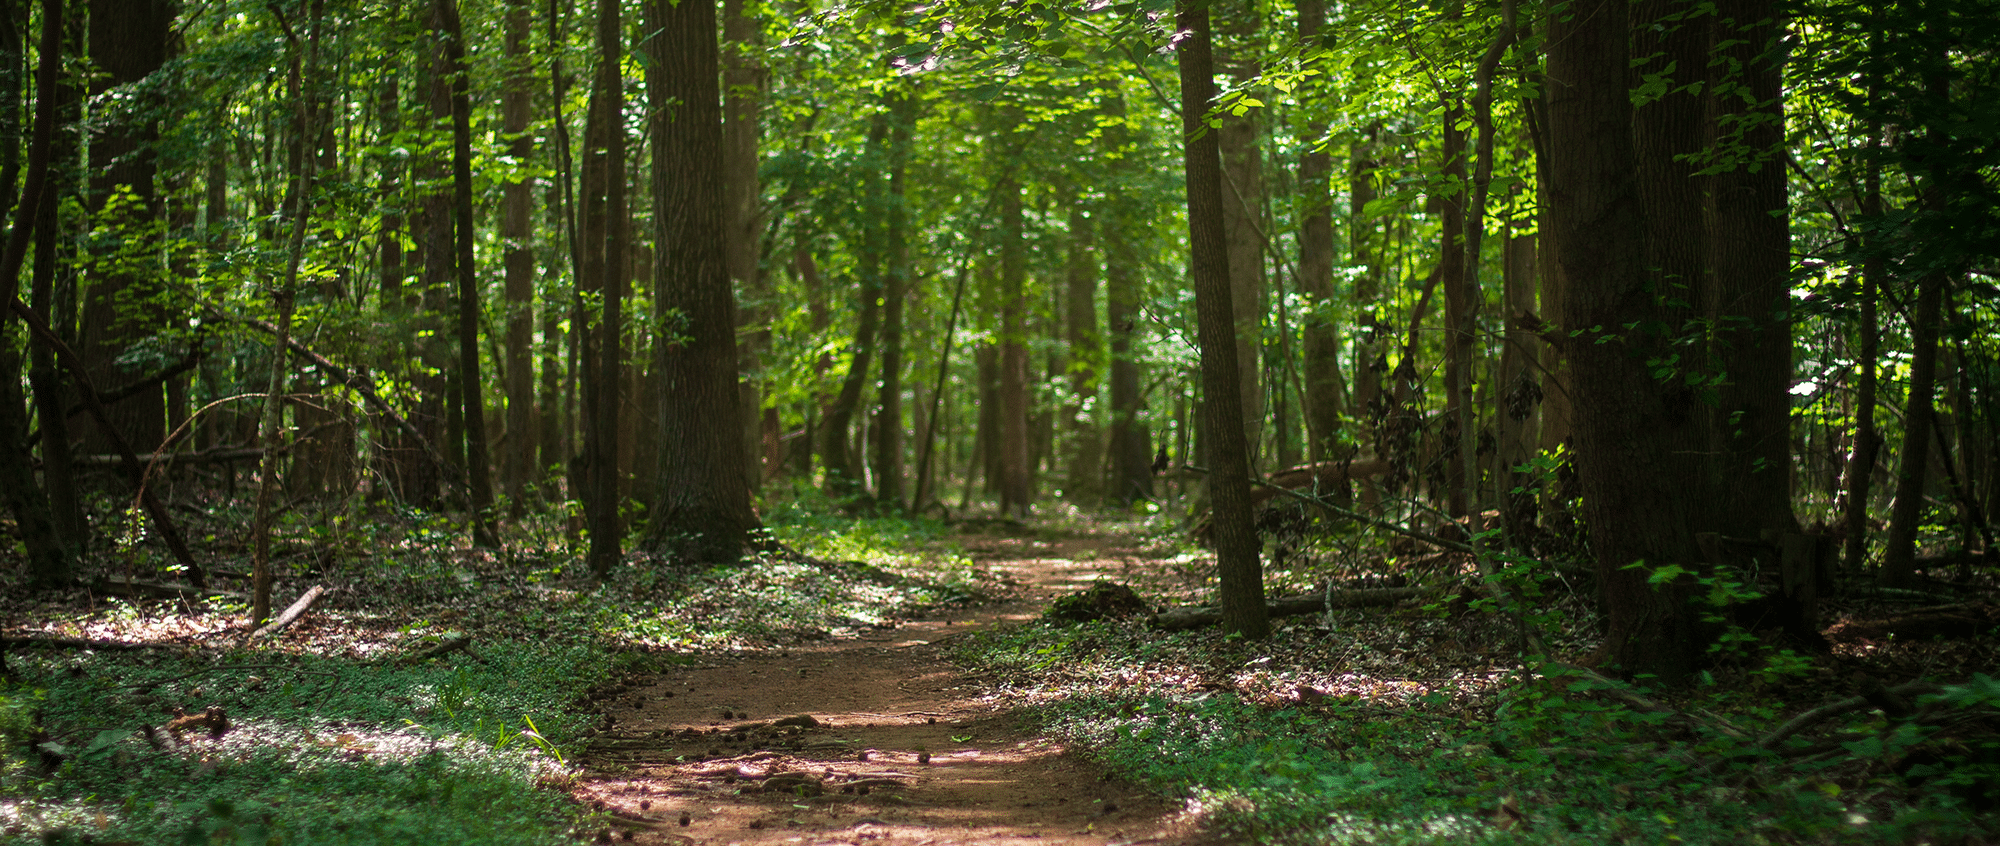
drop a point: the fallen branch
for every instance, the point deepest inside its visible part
(1316, 476)
(454, 643)
(291, 614)
(52, 642)
(213, 456)
(1833, 709)
(1179, 619)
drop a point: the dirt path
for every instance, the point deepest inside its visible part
(901, 746)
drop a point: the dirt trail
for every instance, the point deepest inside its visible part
(903, 747)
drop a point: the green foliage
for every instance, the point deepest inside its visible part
(1548, 756)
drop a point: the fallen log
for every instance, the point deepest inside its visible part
(213, 456)
(1316, 476)
(291, 614)
(1178, 619)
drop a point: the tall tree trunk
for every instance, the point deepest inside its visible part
(1084, 476)
(1867, 439)
(52, 396)
(1130, 451)
(1906, 515)
(986, 440)
(1016, 491)
(843, 469)
(1464, 329)
(888, 430)
(518, 256)
(1323, 384)
(1242, 204)
(129, 40)
(1460, 306)
(51, 562)
(1228, 453)
(479, 474)
(742, 96)
(605, 368)
(702, 509)
(1636, 510)
(1748, 261)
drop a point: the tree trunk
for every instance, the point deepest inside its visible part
(1242, 203)
(702, 509)
(1324, 389)
(1899, 555)
(471, 389)
(518, 255)
(1459, 308)
(843, 469)
(1636, 510)
(1242, 582)
(129, 40)
(1083, 476)
(742, 96)
(1867, 439)
(1016, 493)
(52, 397)
(1748, 262)
(1130, 450)
(888, 430)
(607, 365)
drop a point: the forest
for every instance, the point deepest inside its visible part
(1382, 421)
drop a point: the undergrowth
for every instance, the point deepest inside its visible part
(336, 736)
(1518, 756)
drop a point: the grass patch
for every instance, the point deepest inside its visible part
(334, 739)
(1296, 740)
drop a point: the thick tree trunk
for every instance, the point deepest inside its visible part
(1083, 476)
(1241, 574)
(606, 367)
(1906, 515)
(1748, 261)
(518, 255)
(1016, 491)
(129, 40)
(1636, 510)
(1324, 388)
(701, 508)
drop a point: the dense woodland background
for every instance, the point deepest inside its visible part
(1703, 287)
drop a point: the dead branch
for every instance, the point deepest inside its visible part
(291, 614)
(1316, 476)
(32, 641)
(163, 590)
(1830, 710)
(454, 643)
(1179, 619)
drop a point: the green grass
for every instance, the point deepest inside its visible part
(1537, 760)
(334, 741)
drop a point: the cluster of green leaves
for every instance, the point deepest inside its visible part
(1543, 758)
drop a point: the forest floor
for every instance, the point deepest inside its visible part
(898, 745)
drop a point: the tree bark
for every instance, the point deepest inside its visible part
(1083, 474)
(1748, 260)
(1636, 512)
(129, 40)
(1906, 515)
(1238, 140)
(888, 429)
(1324, 388)
(606, 367)
(518, 255)
(1867, 439)
(479, 474)
(1016, 490)
(1241, 574)
(743, 77)
(702, 508)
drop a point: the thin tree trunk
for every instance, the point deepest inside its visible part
(479, 472)
(843, 469)
(1460, 308)
(1241, 575)
(1867, 439)
(742, 96)
(1084, 476)
(895, 289)
(607, 365)
(1899, 555)
(1464, 328)
(1016, 493)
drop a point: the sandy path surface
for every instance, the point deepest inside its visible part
(873, 740)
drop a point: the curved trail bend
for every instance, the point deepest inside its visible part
(905, 749)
